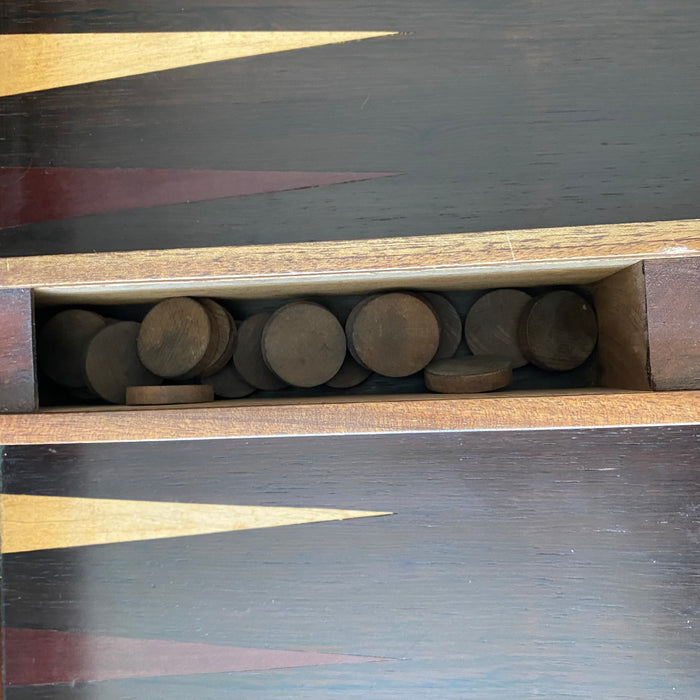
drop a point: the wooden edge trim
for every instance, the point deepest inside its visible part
(356, 418)
(580, 245)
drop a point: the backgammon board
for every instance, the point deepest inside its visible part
(312, 559)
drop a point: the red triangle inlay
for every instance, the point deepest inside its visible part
(30, 195)
(36, 657)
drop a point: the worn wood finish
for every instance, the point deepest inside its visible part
(458, 261)
(349, 375)
(226, 336)
(228, 383)
(623, 344)
(18, 380)
(62, 344)
(112, 363)
(395, 334)
(467, 375)
(550, 564)
(673, 317)
(178, 338)
(450, 324)
(247, 418)
(491, 324)
(248, 357)
(303, 343)
(558, 331)
(169, 394)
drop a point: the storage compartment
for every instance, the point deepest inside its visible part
(525, 378)
(649, 337)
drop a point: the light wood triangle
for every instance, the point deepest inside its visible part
(42, 61)
(32, 523)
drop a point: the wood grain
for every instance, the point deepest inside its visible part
(551, 564)
(490, 259)
(356, 416)
(501, 116)
(467, 375)
(30, 523)
(58, 60)
(18, 387)
(169, 394)
(673, 317)
(623, 346)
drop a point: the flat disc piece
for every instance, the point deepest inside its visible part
(491, 326)
(468, 375)
(163, 395)
(176, 338)
(225, 336)
(558, 331)
(112, 362)
(248, 358)
(304, 344)
(450, 324)
(62, 344)
(228, 383)
(350, 374)
(394, 334)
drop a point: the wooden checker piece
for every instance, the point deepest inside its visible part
(225, 334)
(62, 344)
(178, 338)
(491, 326)
(349, 375)
(168, 394)
(112, 362)
(450, 324)
(248, 357)
(558, 331)
(228, 383)
(304, 344)
(468, 375)
(394, 334)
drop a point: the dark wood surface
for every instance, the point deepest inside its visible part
(18, 390)
(551, 564)
(496, 116)
(673, 313)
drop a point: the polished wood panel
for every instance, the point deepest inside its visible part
(457, 261)
(18, 388)
(500, 116)
(673, 312)
(59, 60)
(31, 523)
(247, 418)
(545, 563)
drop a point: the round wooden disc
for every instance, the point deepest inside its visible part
(248, 358)
(491, 326)
(350, 374)
(394, 334)
(558, 331)
(450, 324)
(170, 394)
(176, 338)
(62, 344)
(112, 362)
(468, 375)
(304, 344)
(228, 383)
(226, 336)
